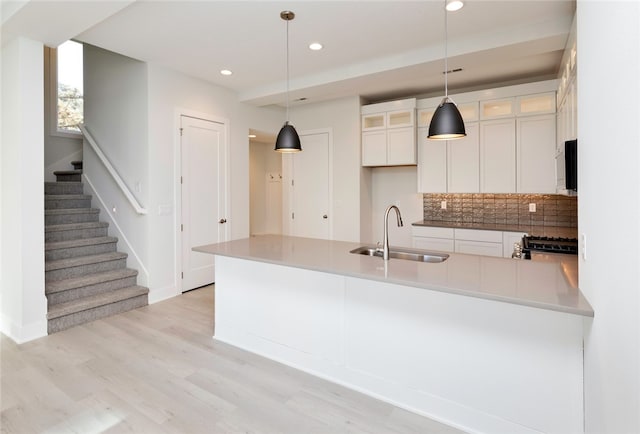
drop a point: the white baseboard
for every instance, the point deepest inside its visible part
(161, 294)
(22, 334)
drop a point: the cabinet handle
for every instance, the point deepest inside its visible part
(222, 221)
(324, 216)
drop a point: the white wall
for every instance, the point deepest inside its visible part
(394, 186)
(171, 93)
(264, 162)
(609, 210)
(115, 113)
(24, 306)
(343, 117)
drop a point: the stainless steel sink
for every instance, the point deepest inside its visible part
(400, 253)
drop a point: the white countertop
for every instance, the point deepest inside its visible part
(549, 284)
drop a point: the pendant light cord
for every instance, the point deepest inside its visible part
(287, 71)
(446, 54)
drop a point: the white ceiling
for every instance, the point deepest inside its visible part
(376, 49)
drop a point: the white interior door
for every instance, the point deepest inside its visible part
(310, 204)
(203, 148)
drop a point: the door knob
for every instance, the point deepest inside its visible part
(222, 221)
(324, 216)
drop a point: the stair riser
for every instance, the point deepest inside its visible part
(89, 290)
(68, 178)
(63, 188)
(65, 322)
(83, 270)
(66, 203)
(75, 234)
(74, 252)
(61, 219)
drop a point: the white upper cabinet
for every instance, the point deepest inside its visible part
(389, 133)
(497, 108)
(498, 156)
(536, 149)
(432, 163)
(463, 172)
(536, 104)
(507, 145)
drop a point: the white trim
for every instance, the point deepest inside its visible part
(161, 294)
(22, 334)
(177, 170)
(112, 171)
(136, 262)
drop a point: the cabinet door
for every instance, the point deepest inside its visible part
(478, 248)
(462, 162)
(498, 156)
(374, 148)
(432, 164)
(401, 146)
(536, 154)
(437, 244)
(374, 121)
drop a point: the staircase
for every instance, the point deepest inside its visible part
(85, 277)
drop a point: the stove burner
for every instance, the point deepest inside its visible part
(567, 246)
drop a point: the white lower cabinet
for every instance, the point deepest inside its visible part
(477, 242)
(437, 244)
(469, 241)
(478, 248)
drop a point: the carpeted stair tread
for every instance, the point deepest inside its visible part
(63, 211)
(54, 245)
(90, 279)
(94, 301)
(74, 226)
(68, 172)
(66, 196)
(82, 260)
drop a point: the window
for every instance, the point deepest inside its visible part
(69, 107)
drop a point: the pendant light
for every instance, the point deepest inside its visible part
(288, 139)
(446, 123)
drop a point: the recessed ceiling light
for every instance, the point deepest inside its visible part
(454, 5)
(226, 72)
(315, 46)
(252, 136)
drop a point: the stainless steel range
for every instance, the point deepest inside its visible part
(566, 246)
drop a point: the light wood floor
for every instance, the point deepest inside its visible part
(158, 370)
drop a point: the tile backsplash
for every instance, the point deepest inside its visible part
(510, 209)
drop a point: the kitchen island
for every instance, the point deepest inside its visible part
(484, 344)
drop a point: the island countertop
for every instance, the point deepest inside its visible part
(549, 284)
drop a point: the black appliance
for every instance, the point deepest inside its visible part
(567, 246)
(571, 164)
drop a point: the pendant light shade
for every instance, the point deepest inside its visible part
(446, 123)
(288, 139)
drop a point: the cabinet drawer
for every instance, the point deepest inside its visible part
(432, 231)
(478, 248)
(479, 235)
(437, 244)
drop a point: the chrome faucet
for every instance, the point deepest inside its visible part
(385, 240)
